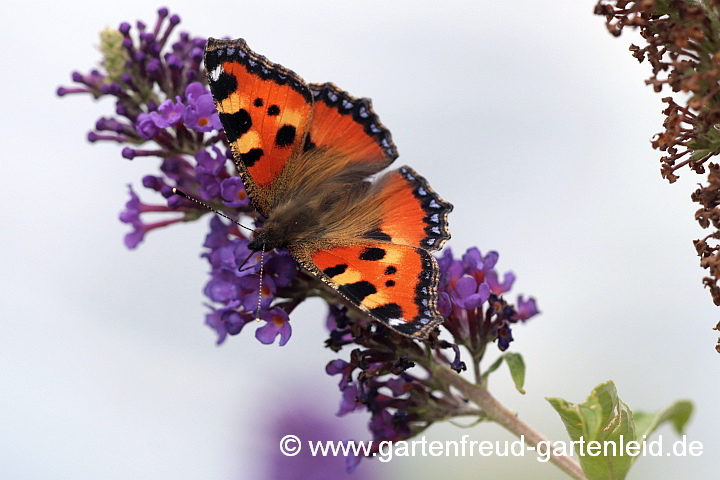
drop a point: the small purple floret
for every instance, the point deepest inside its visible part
(277, 324)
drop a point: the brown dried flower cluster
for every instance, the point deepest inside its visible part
(683, 49)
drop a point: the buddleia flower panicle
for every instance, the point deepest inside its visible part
(683, 49)
(164, 110)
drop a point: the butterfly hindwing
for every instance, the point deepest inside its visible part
(395, 284)
(413, 214)
(265, 110)
(350, 127)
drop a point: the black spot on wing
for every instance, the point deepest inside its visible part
(236, 124)
(224, 86)
(372, 254)
(285, 136)
(273, 110)
(389, 310)
(377, 234)
(390, 270)
(336, 270)
(258, 102)
(252, 156)
(390, 283)
(359, 290)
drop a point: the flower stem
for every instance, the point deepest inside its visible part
(497, 412)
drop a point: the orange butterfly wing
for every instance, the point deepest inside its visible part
(265, 110)
(389, 273)
(349, 126)
(413, 214)
(395, 284)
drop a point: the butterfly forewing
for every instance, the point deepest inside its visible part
(349, 126)
(265, 110)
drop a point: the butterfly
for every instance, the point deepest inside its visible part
(306, 153)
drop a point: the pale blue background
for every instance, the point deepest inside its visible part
(527, 116)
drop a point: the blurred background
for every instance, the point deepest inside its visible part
(529, 117)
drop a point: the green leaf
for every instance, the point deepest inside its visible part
(515, 363)
(678, 414)
(603, 417)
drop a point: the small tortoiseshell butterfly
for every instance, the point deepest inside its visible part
(305, 153)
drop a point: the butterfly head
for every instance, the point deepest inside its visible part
(268, 239)
(288, 224)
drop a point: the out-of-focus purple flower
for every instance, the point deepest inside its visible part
(277, 324)
(384, 427)
(168, 113)
(504, 337)
(210, 164)
(210, 171)
(227, 320)
(525, 309)
(336, 317)
(399, 386)
(349, 402)
(474, 260)
(468, 294)
(221, 288)
(218, 234)
(145, 126)
(306, 419)
(250, 289)
(457, 364)
(282, 268)
(233, 192)
(342, 368)
(200, 112)
(499, 288)
(133, 208)
(444, 305)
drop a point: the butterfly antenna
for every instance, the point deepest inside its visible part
(184, 195)
(262, 265)
(240, 268)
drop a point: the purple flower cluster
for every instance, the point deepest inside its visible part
(377, 377)
(161, 99)
(470, 299)
(240, 290)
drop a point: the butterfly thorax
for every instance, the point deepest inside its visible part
(319, 214)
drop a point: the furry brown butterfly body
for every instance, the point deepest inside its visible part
(336, 202)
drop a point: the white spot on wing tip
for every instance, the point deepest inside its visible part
(215, 73)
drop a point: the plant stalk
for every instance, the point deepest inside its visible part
(498, 413)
